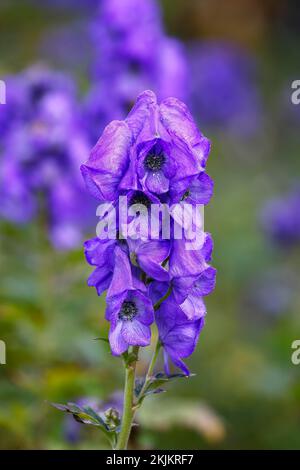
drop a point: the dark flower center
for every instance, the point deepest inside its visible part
(38, 91)
(154, 160)
(140, 198)
(186, 195)
(128, 311)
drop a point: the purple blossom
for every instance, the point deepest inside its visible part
(178, 334)
(130, 315)
(155, 147)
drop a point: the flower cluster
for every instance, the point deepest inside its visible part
(155, 156)
(132, 53)
(42, 148)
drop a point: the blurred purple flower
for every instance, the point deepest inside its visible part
(280, 219)
(270, 296)
(43, 147)
(132, 53)
(224, 93)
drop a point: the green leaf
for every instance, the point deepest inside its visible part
(102, 339)
(87, 415)
(154, 385)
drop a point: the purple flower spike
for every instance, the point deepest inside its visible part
(157, 155)
(177, 334)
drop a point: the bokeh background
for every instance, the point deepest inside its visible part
(233, 62)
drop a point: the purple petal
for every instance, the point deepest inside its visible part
(193, 307)
(117, 342)
(201, 190)
(206, 282)
(135, 333)
(122, 277)
(100, 279)
(179, 122)
(108, 161)
(156, 182)
(141, 112)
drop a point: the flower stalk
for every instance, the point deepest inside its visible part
(128, 407)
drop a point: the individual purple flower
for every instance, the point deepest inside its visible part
(191, 277)
(178, 335)
(130, 315)
(113, 257)
(224, 94)
(280, 219)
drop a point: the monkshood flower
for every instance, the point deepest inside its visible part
(280, 219)
(178, 334)
(153, 159)
(131, 315)
(42, 149)
(156, 148)
(224, 93)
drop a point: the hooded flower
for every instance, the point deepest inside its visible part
(130, 315)
(177, 334)
(192, 277)
(155, 147)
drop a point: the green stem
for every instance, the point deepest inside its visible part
(128, 412)
(167, 294)
(151, 367)
(129, 407)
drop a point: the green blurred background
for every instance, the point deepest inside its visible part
(246, 392)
